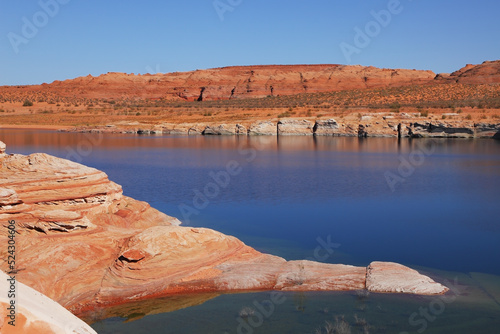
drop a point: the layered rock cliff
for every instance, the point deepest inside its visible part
(487, 72)
(238, 82)
(230, 82)
(83, 244)
(377, 125)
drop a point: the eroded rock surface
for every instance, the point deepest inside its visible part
(266, 128)
(233, 82)
(390, 277)
(295, 127)
(486, 72)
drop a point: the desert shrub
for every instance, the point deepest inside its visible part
(285, 114)
(27, 103)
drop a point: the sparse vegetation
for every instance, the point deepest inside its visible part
(345, 105)
(341, 326)
(285, 114)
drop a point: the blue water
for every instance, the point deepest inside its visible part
(441, 212)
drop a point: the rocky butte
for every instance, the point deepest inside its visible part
(85, 245)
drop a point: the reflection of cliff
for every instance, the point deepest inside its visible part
(139, 309)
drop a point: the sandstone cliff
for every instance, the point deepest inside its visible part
(83, 244)
(230, 82)
(238, 82)
(488, 72)
(375, 125)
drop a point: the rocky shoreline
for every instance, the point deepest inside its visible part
(369, 126)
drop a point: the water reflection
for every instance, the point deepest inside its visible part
(40, 139)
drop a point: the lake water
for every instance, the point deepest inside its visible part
(433, 205)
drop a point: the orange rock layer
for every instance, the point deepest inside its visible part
(251, 81)
(230, 82)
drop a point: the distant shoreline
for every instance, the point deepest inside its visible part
(375, 126)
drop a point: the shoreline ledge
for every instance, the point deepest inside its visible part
(85, 245)
(376, 126)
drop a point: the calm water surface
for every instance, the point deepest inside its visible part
(429, 204)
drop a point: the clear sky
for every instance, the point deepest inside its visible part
(47, 40)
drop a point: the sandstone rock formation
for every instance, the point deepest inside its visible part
(404, 126)
(442, 130)
(485, 73)
(222, 129)
(266, 128)
(36, 313)
(241, 129)
(232, 82)
(295, 127)
(395, 278)
(328, 127)
(485, 130)
(83, 244)
(3, 147)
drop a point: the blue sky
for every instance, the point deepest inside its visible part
(80, 37)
